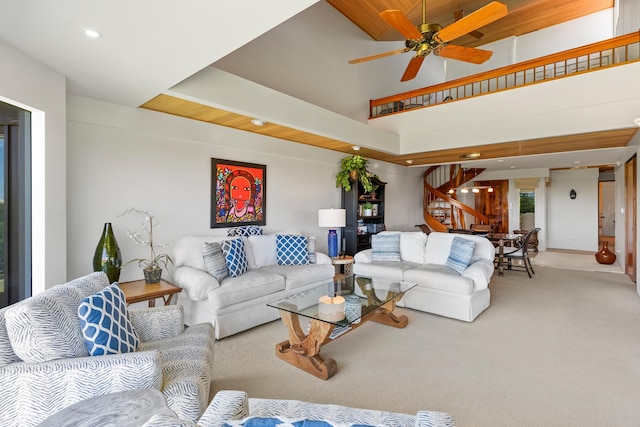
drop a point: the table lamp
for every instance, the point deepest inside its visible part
(332, 219)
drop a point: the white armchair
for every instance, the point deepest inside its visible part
(229, 406)
(56, 373)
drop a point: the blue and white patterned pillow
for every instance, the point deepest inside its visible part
(291, 249)
(278, 422)
(460, 254)
(245, 231)
(311, 248)
(105, 323)
(385, 247)
(235, 256)
(214, 260)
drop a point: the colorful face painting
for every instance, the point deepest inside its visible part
(237, 193)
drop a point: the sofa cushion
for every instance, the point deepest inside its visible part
(291, 249)
(460, 254)
(7, 354)
(214, 260)
(253, 284)
(441, 277)
(298, 276)
(264, 249)
(385, 247)
(412, 246)
(45, 327)
(393, 271)
(235, 256)
(105, 323)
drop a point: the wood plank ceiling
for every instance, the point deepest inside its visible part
(524, 16)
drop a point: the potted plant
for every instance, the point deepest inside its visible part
(367, 207)
(152, 266)
(353, 168)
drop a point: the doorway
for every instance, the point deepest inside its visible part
(494, 204)
(606, 212)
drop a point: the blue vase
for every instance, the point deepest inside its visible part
(333, 243)
(108, 257)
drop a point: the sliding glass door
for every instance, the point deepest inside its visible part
(15, 204)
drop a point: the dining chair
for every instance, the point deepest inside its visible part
(521, 253)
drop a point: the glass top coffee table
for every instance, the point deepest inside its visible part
(334, 309)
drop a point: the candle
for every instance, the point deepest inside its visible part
(331, 309)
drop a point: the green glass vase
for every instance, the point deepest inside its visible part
(108, 257)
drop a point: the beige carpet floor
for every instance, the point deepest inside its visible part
(573, 261)
(561, 349)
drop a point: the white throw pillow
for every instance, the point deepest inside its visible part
(412, 246)
(264, 249)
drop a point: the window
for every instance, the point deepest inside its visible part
(15, 204)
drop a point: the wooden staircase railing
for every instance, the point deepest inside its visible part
(442, 210)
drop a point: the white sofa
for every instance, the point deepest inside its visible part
(440, 289)
(238, 303)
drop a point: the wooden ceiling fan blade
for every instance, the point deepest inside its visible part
(481, 17)
(457, 15)
(463, 53)
(378, 56)
(400, 22)
(412, 68)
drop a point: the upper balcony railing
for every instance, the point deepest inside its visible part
(617, 51)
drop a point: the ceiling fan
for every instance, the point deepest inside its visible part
(429, 37)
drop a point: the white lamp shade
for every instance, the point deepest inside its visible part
(332, 218)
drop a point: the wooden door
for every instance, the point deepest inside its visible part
(630, 216)
(495, 204)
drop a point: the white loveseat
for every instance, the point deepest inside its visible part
(440, 289)
(235, 304)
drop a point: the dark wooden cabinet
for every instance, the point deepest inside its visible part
(354, 201)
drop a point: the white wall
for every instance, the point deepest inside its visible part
(121, 157)
(573, 224)
(31, 85)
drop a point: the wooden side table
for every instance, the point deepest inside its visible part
(347, 266)
(138, 291)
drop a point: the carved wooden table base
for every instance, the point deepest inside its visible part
(303, 350)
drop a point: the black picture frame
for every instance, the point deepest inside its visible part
(238, 193)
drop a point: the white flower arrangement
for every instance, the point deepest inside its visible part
(146, 239)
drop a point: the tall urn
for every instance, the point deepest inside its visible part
(605, 256)
(108, 257)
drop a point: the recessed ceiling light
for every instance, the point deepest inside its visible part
(512, 167)
(500, 160)
(470, 156)
(577, 162)
(409, 162)
(258, 122)
(356, 148)
(92, 33)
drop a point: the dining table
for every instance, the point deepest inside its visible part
(500, 241)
